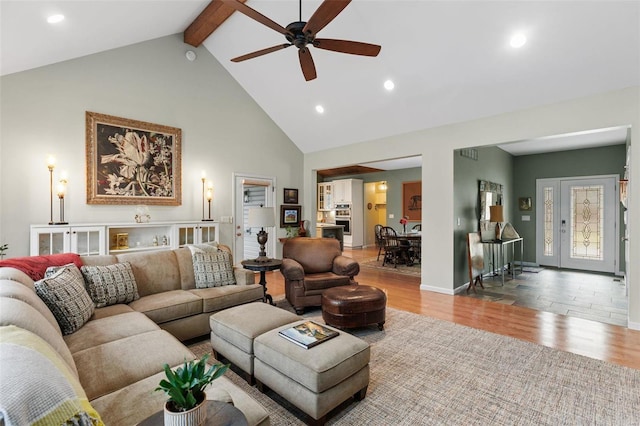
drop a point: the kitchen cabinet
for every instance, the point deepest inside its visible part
(342, 193)
(325, 196)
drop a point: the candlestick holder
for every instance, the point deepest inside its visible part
(51, 166)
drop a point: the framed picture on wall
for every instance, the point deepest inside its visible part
(132, 162)
(290, 196)
(290, 216)
(525, 203)
(412, 200)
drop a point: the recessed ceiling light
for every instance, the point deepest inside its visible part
(389, 85)
(54, 19)
(320, 109)
(518, 40)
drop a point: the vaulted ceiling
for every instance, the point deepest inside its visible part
(450, 61)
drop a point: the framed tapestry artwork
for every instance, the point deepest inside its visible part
(132, 162)
(290, 196)
(412, 200)
(290, 216)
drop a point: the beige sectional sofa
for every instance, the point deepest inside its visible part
(114, 361)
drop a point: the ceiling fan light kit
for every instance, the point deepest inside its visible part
(303, 34)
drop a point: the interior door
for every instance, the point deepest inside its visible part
(577, 223)
(252, 191)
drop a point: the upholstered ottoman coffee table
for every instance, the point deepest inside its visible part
(316, 380)
(233, 331)
(353, 306)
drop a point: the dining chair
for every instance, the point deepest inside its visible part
(394, 252)
(417, 227)
(376, 230)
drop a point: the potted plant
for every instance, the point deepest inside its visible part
(185, 389)
(3, 248)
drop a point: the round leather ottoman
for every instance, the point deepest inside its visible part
(353, 306)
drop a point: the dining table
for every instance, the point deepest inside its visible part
(413, 240)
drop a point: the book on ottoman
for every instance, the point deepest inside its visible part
(308, 334)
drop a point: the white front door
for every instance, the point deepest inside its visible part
(251, 191)
(576, 223)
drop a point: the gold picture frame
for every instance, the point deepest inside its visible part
(132, 162)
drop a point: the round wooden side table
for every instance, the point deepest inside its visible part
(263, 267)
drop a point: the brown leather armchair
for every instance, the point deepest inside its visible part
(312, 265)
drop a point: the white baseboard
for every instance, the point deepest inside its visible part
(448, 291)
(633, 325)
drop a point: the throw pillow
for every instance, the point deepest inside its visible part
(111, 284)
(65, 296)
(203, 248)
(213, 269)
(51, 270)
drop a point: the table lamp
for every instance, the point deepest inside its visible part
(261, 217)
(496, 216)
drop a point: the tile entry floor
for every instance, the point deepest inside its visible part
(593, 296)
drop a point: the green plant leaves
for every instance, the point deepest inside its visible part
(185, 386)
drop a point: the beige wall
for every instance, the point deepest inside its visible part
(618, 108)
(223, 131)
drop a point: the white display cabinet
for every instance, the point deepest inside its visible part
(53, 239)
(114, 238)
(325, 196)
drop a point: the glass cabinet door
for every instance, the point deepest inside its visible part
(50, 240)
(208, 234)
(88, 241)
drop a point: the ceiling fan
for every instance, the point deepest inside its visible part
(303, 34)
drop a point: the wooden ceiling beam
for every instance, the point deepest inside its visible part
(207, 22)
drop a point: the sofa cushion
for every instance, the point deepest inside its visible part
(213, 269)
(218, 298)
(66, 297)
(114, 365)
(49, 391)
(155, 271)
(16, 290)
(108, 311)
(110, 284)
(168, 306)
(21, 314)
(324, 280)
(109, 329)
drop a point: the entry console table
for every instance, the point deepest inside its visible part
(499, 246)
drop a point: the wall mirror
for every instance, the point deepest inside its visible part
(490, 194)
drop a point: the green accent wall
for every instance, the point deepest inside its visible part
(584, 162)
(494, 165)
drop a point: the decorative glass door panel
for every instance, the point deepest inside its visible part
(588, 228)
(587, 222)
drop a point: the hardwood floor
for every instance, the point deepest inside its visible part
(615, 344)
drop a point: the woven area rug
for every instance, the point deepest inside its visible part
(431, 372)
(400, 269)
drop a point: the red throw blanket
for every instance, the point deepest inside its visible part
(35, 266)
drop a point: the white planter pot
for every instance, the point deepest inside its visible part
(197, 416)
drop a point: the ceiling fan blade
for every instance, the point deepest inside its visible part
(325, 13)
(254, 14)
(307, 65)
(346, 46)
(260, 52)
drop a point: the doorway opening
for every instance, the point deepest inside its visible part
(252, 191)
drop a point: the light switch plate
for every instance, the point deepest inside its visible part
(391, 215)
(526, 218)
